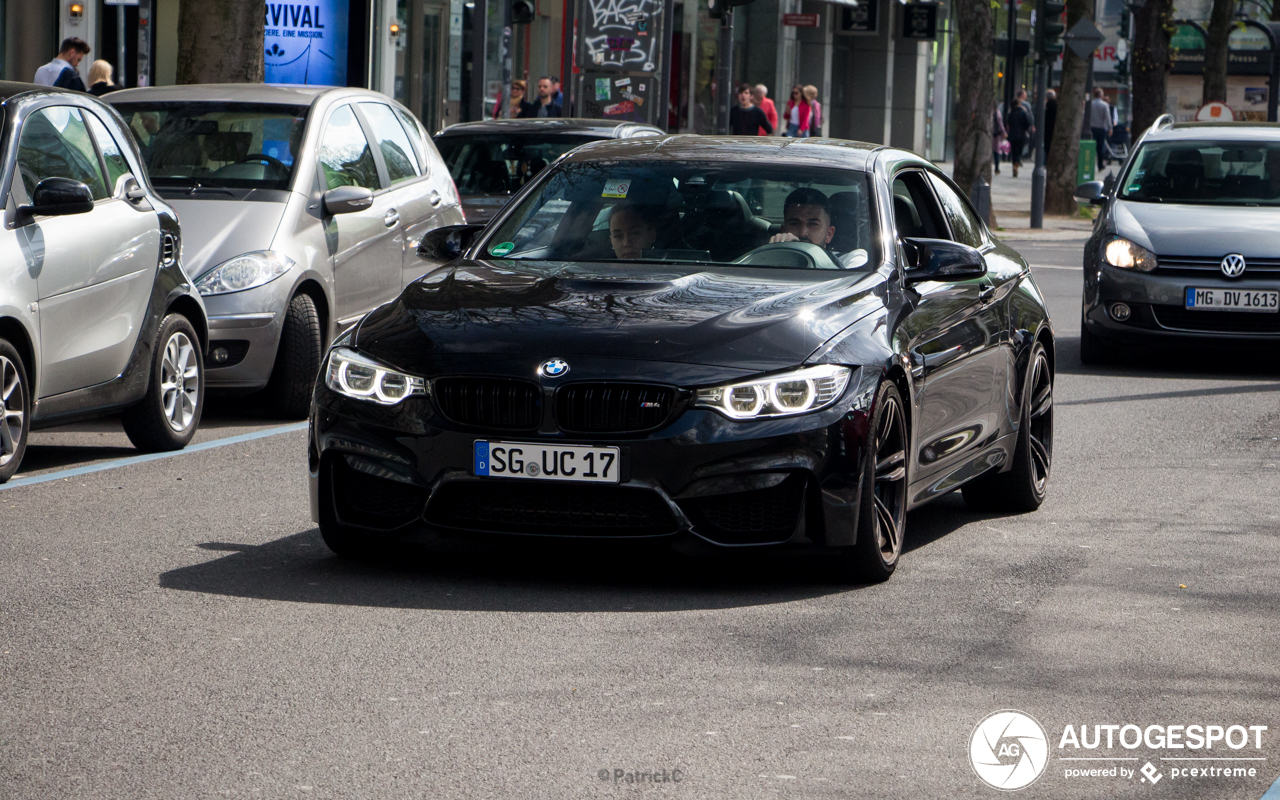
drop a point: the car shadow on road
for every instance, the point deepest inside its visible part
(540, 576)
(1229, 361)
(56, 456)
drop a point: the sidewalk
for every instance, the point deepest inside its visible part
(1011, 201)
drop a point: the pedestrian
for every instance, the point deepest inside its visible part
(999, 137)
(1100, 124)
(62, 70)
(746, 119)
(547, 105)
(797, 113)
(760, 95)
(1050, 116)
(100, 82)
(557, 96)
(1020, 124)
(815, 118)
(516, 107)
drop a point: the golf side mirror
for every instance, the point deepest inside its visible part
(1093, 192)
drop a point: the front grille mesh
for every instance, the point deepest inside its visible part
(613, 407)
(539, 507)
(490, 402)
(1205, 266)
(755, 517)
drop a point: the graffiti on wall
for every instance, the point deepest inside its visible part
(624, 34)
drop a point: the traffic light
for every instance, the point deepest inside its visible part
(1122, 70)
(1125, 18)
(1049, 28)
(522, 11)
(716, 9)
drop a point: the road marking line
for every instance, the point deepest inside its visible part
(1056, 266)
(124, 462)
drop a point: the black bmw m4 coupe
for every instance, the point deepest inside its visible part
(747, 342)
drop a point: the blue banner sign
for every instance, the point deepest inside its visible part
(307, 42)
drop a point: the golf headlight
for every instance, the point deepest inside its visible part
(796, 392)
(1125, 254)
(244, 272)
(354, 375)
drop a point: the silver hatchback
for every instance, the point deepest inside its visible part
(301, 210)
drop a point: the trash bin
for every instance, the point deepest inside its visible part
(1088, 161)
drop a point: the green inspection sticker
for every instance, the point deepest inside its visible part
(502, 249)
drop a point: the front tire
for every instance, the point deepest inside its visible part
(1023, 487)
(15, 410)
(882, 510)
(167, 417)
(297, 360)
(1094, 349)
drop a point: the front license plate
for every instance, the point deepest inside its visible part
(542, 462)
(1266, 300)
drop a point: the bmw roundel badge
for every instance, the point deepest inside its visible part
(553, 368)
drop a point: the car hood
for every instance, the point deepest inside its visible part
(1199, 230)
(216, 230)
(742, 318)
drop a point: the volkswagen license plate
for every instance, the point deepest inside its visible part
(1265, 300)
(548, 462)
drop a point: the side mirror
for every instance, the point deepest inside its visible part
(943, 260)
(447, 243)
(56, 197)
(1094, 192)
(347, 199)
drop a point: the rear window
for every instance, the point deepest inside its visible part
(227, 145)
(501, 163)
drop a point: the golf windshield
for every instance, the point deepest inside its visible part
(761, 215)
(1211, 173)
(222, 145)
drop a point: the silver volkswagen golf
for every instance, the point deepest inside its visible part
(96, 313)
(301, 209)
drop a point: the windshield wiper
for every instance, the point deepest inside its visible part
(192, 184)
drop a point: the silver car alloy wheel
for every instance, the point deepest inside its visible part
(179, 382)
(12, 407)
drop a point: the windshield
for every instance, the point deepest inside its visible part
(1210, 173)
(501, 163)
(223, 145)
(764, 215)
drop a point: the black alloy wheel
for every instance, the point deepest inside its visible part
(882, 512)
(15, 410)
(1023, 487)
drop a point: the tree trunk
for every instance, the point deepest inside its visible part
(220, 41)
(1215, 51)
(1153, 29)
(975, 94)
(1064, 154)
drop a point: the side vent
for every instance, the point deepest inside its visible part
(169, 250)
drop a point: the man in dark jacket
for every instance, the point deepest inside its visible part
(1021, 125)
(746, 118)
(547, 105)
(1050, 115)
(62, 70)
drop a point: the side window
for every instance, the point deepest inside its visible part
(402, 162)
(55, 144)
(112, 153)
(964, 223)
(915, 211)
(345, 157)
(415, 134)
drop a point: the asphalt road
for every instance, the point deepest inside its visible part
(177, 629)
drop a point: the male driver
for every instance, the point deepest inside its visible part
(806, 217)
(631, 231)
(62, 70)
(546, 105)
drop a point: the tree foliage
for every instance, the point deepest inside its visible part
(220, 41)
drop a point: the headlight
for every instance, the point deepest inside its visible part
(782, 395)
(354, 375)
(244, 272)
(1127, 255)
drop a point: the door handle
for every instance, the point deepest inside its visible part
(986, 294)
(391, 219)
(435, 198)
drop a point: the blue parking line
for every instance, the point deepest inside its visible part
(124, 462)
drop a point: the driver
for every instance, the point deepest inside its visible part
(806, 217)
(631, 231)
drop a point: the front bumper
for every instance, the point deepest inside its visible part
(406, 472)
(247, 325)
(1158, 308)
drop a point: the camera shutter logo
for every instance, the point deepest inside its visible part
(1233, 265)
(1008, 750)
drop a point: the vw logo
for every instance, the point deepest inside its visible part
(553, 368)
(1233, 265)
